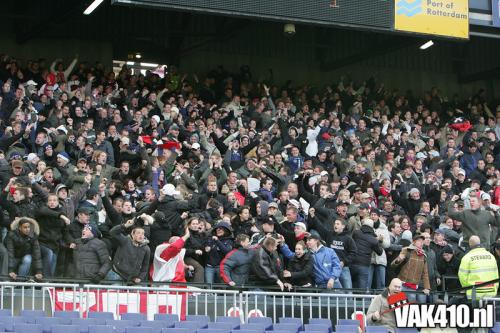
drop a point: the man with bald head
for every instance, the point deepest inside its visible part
(379, 312)
(478, 266)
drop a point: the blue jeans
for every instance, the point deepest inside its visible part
(212, 274)
(360, 276)
(336, 285)
(23, 265)
(113, 276)
(377, 272)
(49, 261)
(414, 295)
(345, 278)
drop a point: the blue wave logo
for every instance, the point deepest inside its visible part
(409, 8)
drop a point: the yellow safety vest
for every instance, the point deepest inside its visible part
(476, 267)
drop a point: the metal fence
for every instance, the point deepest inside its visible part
(182, 300)
(332, 306)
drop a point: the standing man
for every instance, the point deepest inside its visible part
(90, 255)
(414, 272)
(475, 221)
(327, 267)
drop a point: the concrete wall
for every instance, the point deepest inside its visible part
(51, 49)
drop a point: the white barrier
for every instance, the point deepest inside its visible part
(181, 300)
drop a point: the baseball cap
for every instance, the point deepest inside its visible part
(323, 173)
(314, 236)
(196, 146)
(365, 196)
(461, 172)
(268, 220)
(169, 189)
(485, 196)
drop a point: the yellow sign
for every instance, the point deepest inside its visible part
(436, 17)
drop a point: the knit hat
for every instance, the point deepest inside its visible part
(448, 249)
(264, 205)
(368, 222)
(31, 157)
(93, 229)
(406, 235)
(60, 187)
(63, 155)
(156, 119)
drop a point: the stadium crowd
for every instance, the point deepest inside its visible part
(171, 177)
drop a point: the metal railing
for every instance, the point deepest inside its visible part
(332, 306)
(50, 297)
(18, 296)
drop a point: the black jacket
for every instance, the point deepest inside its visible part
(301, 270)
(366, 242)
(131, 260)
(172, 224)
(195, 242)
(236, 266)
(52, 229)
(266, 268)
(19, 245)
(343, 244)
(91, 258)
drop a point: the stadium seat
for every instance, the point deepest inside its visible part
(200, 318)
(276, 332)
(5, 313)
(231, 320)
(317, 328)
(101, 329)
(121, 325)
(191, 326)
(166, 316)
(406, 330)
(32, 314)
(223, 326)
(213, 330)
(376, 329)
(259, 327)
(245, 331)
(48, 322)
(346, 329)
(65, 329)
(322, 321)
(139, 330)
(9, 322)
(289, 327)
(290, 320)
(175, 330)
(84, 323)
(345, 322)
(261, 320)
(27, 328)
(158, 325)
(104, 315)
(65, 316)
(133, 316)
(495, 328)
